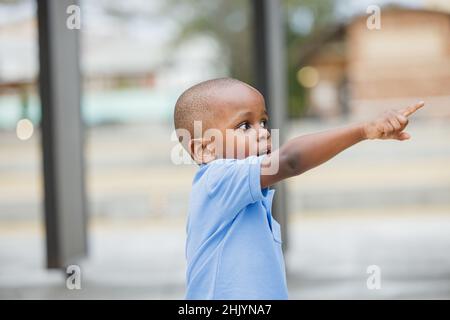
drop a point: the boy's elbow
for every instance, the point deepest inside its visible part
(290, 162)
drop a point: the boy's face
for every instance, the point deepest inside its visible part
(241, 117)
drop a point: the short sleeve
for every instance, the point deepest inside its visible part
(234, 183)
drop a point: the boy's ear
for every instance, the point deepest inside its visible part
(202, 150)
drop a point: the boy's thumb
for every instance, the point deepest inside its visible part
(403, 136)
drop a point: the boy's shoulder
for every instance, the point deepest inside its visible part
(229, 185)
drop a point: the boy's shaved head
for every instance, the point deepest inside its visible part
(197, 103)
(206, 112)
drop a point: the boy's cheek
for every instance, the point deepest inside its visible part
(231, 147)
(243, 149)
(253, 149)
(266, 144)
(238, 147)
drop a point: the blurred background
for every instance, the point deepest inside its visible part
(383, 203)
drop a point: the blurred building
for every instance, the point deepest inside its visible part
(359, 71)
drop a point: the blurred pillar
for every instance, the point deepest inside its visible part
(62, 135)
(270, 72)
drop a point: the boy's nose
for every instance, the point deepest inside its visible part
(263, 133)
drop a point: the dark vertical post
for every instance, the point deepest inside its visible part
(62, 135)
(270, 71)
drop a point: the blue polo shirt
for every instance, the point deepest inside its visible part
(233, 246)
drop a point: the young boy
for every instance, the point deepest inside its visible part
(233, 246)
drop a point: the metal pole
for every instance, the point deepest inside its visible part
(62, 135)
(270, 69)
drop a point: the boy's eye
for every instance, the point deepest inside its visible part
(244, 126)
(264, 123)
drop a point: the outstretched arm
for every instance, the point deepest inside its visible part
(306, 152)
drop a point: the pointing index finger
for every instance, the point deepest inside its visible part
(411, 109)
